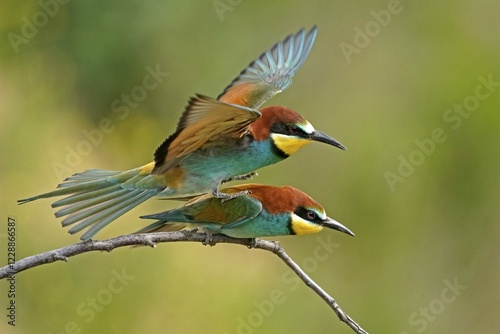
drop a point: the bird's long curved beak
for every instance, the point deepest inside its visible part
(323, 138)
(333, 224)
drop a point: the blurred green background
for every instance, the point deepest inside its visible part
(426, 254)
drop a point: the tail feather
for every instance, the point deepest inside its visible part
(92, 200)
(92, 182)
(90, 174)
(67, 189)
(70, 184)
(82, 197)
(97, 213)
(97, 197)
(90, 210)
(122, 208)
(174, 223)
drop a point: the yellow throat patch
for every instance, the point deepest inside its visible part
(302, 226)
(288, 144)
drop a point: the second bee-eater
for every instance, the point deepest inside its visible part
(216, 140)
(264, 211)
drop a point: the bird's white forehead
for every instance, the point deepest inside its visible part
(320, 212)
(307, 127)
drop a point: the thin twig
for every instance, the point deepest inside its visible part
(319, 291)
(150, 239)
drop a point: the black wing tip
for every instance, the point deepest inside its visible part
(162, 151)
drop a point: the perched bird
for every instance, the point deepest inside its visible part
(216, 140)
(264, 211)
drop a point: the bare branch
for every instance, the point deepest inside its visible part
(151, 239)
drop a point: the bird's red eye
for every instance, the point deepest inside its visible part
(294, 129)
(311, 215)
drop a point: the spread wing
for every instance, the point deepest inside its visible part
(205, 122)
(271, 73)
(206, 209)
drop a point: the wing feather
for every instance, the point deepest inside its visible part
(206, 209)
(204, 122)
(271, 73)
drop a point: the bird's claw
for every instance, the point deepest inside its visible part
(191, 232)
(148, 242)
(252, 244)
(208, 238)
(59, 257)
(227, 197)
(241, 177)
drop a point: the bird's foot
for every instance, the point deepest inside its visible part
(241, 177)
(208, 238)
(253, 243)
(226, 197)
(191, 232)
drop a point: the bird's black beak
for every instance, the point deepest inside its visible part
(323, 138)
(335, 225)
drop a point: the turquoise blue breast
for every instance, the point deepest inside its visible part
(205, 169)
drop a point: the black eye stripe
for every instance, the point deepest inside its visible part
(288, 129)
(308, 215)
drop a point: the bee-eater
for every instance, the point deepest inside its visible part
(264, 211)
(216, 140)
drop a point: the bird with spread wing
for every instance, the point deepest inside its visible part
(216, 140)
